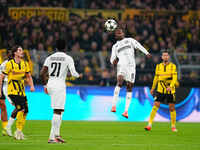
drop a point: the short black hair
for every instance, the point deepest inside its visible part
(60, 44)
(165, 51)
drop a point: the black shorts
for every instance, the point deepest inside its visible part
(20, 102)
(165, 98)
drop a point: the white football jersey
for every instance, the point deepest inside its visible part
(2, 67)
(124, 50)
(58, 65)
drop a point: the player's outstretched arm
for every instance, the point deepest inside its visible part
(137, 45)
(149, 55)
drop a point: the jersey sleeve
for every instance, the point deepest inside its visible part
(174, 76)
(137, 45)
(155, 80)
(113, 55)
(27, 69)
(7, 68)
(71, 68)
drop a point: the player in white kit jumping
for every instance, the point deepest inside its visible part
(123, 55)
(57, 66)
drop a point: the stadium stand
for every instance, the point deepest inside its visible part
(110, 4)
(89, 44)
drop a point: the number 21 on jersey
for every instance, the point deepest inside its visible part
(55, 69)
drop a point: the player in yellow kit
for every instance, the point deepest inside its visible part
(165, 80)
(17, 70)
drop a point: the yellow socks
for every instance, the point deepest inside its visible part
(152, 115)
(4, 124)
(173, 118)
(24, 120)
(20, 120)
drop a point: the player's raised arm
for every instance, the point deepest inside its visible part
(137, 45)
(72, 69)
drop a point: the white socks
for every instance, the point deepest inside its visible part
(10, 122)
(128, 100)
(57, 133)
(55, 126)
(116, 95)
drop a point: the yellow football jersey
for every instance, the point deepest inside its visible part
(165, 76)
(16, 75)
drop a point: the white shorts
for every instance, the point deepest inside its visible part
(58, 97)
(128, 72)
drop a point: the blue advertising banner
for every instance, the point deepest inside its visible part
(94, 103)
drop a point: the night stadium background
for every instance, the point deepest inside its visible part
(156, 24)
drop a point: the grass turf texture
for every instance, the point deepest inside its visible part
(107, 136)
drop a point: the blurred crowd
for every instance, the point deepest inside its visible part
(110, 4)
(90, 45)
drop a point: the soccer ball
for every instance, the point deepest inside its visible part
(110, 25)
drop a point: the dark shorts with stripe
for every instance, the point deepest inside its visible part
(20, 102)
(165, 98)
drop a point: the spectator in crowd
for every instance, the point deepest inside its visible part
(105, 78)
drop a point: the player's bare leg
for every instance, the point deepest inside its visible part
(129, 88)
(173, 116)
(55, 128)
(4, 117)
(152, 115)
(120, 81)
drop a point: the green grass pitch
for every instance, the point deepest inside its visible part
(89, 135)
